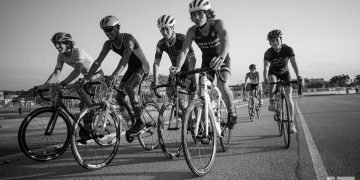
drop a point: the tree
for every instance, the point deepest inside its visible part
(339, 80)
(357, 80)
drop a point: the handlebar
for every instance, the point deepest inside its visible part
(283, 83)
(202, 70)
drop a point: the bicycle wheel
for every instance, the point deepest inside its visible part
(96, 137)
(285, 122)
(258, 110)
(169, 130)
(251, 109)
(278, 117)
(225, 138)
(199, 150)
(149, 138)
(40, 144)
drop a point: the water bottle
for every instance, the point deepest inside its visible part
(215, 101)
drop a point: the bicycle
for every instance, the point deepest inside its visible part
(44, 134)
(209, 115)
(254, 106)
(170, 119)
(106, 126)
(282, 113)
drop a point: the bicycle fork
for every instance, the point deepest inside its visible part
(51, 124)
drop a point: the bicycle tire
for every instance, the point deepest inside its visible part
(149, 139)
(225, 139)
(278, 116)
(251, 109)
(285, 122)
(191, 145)
(169, 130)
(102, 145)
(35, 125)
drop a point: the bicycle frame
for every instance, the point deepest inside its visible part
(204, 89)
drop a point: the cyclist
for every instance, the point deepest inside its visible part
(276, 60)
(77, 58)
(171, 43)
(255, 88)
(132, 55)
(212, 38)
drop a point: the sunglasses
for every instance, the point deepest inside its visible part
(108, 30)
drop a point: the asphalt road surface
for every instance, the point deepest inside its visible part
(327, 145)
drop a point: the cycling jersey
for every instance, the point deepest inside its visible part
(279, 61)
(78, 56)
(253, 77)
(210, 47)
(136, 60)
(173, 51)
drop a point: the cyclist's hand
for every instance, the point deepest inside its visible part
(83, 81)
(173, 70)
(216, 62)
(300, 80)
(153, 85)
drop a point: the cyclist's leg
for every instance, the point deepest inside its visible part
(288, 92)
(227, 96)
(272, 78)
(130, 85)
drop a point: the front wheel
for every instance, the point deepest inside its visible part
(199, 148)
(44, 134)
(285, 122)
(149, 138)
(96, 137)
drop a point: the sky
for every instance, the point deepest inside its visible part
(324, 34)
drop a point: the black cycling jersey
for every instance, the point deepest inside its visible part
(134, 62)
(279, 61)
(173, 51)
(210, 47)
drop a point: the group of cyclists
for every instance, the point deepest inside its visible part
(209, 34)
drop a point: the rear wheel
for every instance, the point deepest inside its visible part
(149, 138)
(44, 134)
(169, 130)
(96, 137)
(225, 138)
(199, 148)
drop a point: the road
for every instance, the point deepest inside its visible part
(327, 145)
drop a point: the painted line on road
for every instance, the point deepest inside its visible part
(314, 153)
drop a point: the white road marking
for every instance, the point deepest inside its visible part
(314, 153)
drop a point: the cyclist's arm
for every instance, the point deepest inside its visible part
(185, 48)
(105, 50)
(156, 64)
(53, 76)
(294, 65)
(129, 47)
(266, 69)
(246, 77)
(223, 36)
(257, 77)
(73, 75)
(192, 60)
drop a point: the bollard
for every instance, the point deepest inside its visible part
(20, 110)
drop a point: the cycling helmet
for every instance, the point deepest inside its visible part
(197, 5)
(252, 66)
(165, 21)
(276, 33)
(61, 37)
(109, 21)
